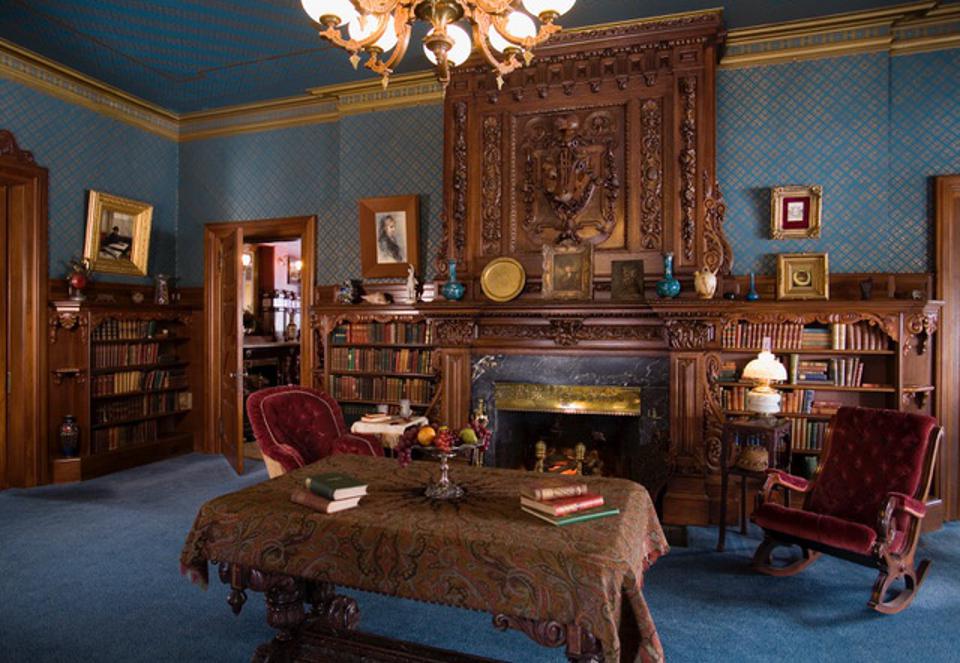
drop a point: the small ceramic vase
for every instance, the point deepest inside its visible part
(69, 437)
(453, 290)
(705, 282)
(668, 287)
(752, 295)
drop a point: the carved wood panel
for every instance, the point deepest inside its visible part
(608, 137)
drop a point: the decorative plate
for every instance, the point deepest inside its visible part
(503, 279)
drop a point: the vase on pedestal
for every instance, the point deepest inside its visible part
(668, 287)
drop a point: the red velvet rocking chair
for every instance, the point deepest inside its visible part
(865, 504)
(296, 426)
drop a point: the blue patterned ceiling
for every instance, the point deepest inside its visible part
(189, 55)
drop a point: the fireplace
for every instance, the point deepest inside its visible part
(615, 407)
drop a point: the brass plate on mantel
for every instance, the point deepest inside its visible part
(503, 279)
(567, 399)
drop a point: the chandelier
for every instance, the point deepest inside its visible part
(505, 34)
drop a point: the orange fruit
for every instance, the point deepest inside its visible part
(426, 435)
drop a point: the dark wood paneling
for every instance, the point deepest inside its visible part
(948, 340)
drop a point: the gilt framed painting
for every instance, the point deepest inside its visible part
(803, 276)
(795, 212)
(389, 236)
(568, 271)
(118, 234)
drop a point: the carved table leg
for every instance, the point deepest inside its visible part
(284, 597)
(581, 646)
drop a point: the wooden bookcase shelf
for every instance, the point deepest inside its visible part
(127, 414)
(874, 359)
(371, 360)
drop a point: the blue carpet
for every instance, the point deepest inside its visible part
(89, 572)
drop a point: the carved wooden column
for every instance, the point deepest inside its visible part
(454, 338)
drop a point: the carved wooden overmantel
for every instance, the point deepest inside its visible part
(608, 137)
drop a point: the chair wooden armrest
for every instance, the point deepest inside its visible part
(897, 503)
(908, 504)
(780, 478)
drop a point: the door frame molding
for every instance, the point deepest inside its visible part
(303, 228)
(24, 461)
(948, 339)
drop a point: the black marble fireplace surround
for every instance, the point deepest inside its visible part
(641, 441)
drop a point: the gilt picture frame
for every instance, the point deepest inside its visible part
(389, 236)
(118, 234)
(627, 281)
(803, 276)
(795, 212)
(568, 271)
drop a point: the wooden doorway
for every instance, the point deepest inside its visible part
(223, 339)
(23, 306)
(948, 340)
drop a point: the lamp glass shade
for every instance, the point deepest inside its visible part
(462, 46)
(362, 27)
(342, 9)
(765, 368)
(518, 25)
(540, 7)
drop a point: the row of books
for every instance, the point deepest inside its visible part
(382, 332)
(131, 408)
(798, 401)
(808, 434)
(109, 356)
(124, 330)
(128, 381)
(563, 503)
(838, 371)
(788, 336)
(418, 390)
(110, 439)
(402, 360)
(330, 492)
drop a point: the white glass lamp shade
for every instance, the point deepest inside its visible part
(362, 27)
(765, 369)
(246, 259)
(462, 46)
(342, 9)
(518, 25)
(541, 7)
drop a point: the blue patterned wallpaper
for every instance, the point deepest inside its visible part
(925, 138)
(84, 150)
(322, 169)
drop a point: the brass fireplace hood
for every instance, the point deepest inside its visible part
(567, 399)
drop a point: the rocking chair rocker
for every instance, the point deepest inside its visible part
(865, 504)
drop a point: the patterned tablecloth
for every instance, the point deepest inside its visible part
(481, 553)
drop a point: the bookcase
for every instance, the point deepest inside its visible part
(868, 357)
(374, 360)
(126, 374)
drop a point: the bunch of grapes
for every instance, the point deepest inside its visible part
(446, 440)
(484, 434)
(405, 446)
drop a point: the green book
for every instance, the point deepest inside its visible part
(335, 486)
(580, 516)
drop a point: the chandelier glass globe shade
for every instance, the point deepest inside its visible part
(518, 25)
(541, 7)
(462, 46)
(342, 9)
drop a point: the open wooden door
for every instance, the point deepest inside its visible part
(225, 343)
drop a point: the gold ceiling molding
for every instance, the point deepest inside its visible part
(872, 31)
(900, 30)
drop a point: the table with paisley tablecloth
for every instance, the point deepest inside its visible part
(578, 586)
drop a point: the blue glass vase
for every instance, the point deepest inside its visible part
(453, 290)
(668, 287)
(752, 295)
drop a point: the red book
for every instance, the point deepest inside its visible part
(565, 505)
(551, 490)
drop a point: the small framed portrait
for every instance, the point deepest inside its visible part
(627, 282)
(389, 236)
(568, 271)
(795, 212)
(803, 276)
(118, 234)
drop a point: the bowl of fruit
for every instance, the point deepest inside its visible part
(444, 443)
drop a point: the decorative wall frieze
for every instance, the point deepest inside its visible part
(687, 334)
(568, 332)
(688, 165)
(455, 219)
(492, 184)
(651, 204)
(455, 332)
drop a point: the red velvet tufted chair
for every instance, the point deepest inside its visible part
(865, 504)
(296, 426)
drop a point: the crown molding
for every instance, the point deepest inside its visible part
(899, 30)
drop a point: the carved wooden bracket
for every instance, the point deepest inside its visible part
(922, 326)
(9, 148)
(67, 320)
(687, 334)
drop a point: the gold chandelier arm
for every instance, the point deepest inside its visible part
(353, 46)
(402, 23)
(380, 6)
(546, 31)
(492, 6)
(510, 63)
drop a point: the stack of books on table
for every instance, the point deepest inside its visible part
(330, 492)
(564, 503)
